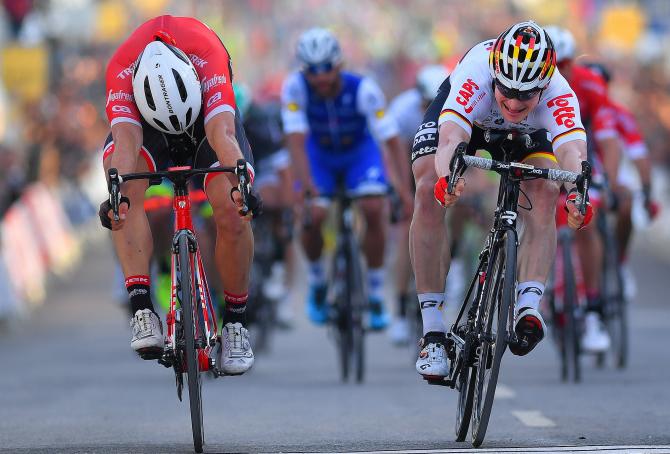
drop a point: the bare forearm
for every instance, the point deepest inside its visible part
(450, 136)
(127, 143)
(397, 164)
(570, 156)
(296, 145)
(643, 166)
(611, 156)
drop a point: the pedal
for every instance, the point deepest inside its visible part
(435, 380)
(149, 354)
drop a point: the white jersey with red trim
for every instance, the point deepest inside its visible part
(208, 54)
(471, 102)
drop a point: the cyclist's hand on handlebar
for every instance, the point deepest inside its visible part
(443, 197)
(577, 220)
(106, 214)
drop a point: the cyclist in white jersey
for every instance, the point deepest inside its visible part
(507, 84)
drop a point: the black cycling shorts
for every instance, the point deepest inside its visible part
(426, 138)
(161, 150)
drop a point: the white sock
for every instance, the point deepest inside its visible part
(432, 305)
(529, 294)
(316, 275)
(376, 283)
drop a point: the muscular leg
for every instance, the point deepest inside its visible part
(428, 234)
(234, 239)
(134, 243)
(375, 214)
(624, 227)
(427, 231)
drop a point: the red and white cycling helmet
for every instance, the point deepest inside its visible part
(523, 57)
(166, 88)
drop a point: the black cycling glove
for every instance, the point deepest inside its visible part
(105, 208)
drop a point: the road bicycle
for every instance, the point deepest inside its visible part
(192, 345)
(484, 326)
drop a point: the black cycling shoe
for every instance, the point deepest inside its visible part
(529, 329)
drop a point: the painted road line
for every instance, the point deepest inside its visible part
(533, 418)
(634, 449)
(504, 392)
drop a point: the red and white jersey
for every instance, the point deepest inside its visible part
(471, 102)
(629, 133)
(208, 54)
(594, 103)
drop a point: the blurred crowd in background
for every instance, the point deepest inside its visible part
(53, 55)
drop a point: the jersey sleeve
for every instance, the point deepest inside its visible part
(120, 104)
(559, 113)
(214, 67)
(372, 104)
(470, 95)
(630, 134)
(293, 105)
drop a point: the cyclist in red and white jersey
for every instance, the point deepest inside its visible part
(507, 84)
(600, 122)
(170, 102)
(635, 152)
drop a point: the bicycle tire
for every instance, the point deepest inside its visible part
(189, 309)
(498, 301)
(357, 304)
(466, 393)
(341, 305)
(571, 332)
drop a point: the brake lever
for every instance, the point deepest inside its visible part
(114, 187)
(585, 182)
(457, 166)
(243, 184)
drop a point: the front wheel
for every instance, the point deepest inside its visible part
(496, 307)
(190, 313)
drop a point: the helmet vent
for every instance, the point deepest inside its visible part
(137, 64)
(180, 55)
(189, 113)
(175, 122)
(148, 96)
(180, 85)
(161, 125)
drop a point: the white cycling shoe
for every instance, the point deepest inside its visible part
(147, 332)
(596, 339)
(433, 362)
(530, 330)
(237, 355)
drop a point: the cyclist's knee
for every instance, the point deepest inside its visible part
(228, 221)
(373, 209)
(426, 208)
(543, 195)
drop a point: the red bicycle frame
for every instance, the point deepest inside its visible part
(201, 296)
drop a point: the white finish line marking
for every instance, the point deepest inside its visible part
(636, 449)
(504, 392)
(533, 418)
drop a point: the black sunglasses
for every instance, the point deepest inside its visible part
(513, 93)
(319, 68)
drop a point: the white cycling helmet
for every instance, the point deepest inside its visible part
(166, 88)
(564, 42)
(523, 57)
(428, 80)
(318, 46)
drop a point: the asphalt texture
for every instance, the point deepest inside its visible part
(70, 383)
